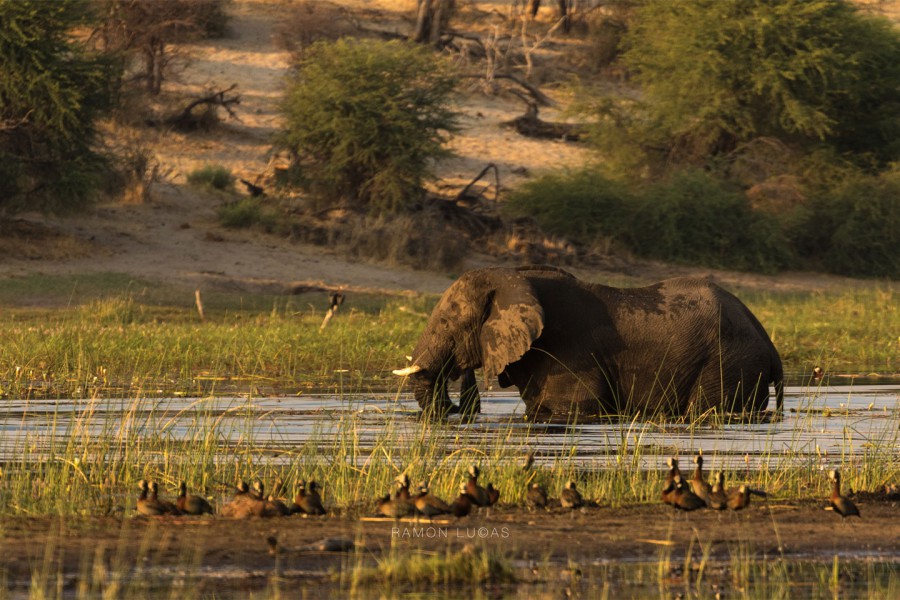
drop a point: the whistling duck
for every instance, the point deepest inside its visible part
(739, 498)
(394, 508)
(462, 505)
(683, 498)
(146, 506)
(192, 505)
(478, 494)
(168, 508)
(571, 497)
(717, 500)
(818, 374)
(840, 504)
(402, 482)
(309, 501)
(667, 495)
(428, 504)
(699, 485)
(493, 494)
(536, 497)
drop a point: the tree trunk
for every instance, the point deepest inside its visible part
(533, 7)
(563, 12)
(423, 22)
(432, 20)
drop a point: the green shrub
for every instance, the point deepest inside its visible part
(248, 212)
(214, 176)
(692, 217)
(717, 74)
(579, 204)
(861, 223)
(367, 118)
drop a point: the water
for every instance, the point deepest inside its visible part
(820, 425)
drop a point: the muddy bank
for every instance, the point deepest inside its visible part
(226, 556)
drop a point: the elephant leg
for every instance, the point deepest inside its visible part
(436, 402)
(469, 398)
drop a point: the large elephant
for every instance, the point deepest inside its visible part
(573, 349)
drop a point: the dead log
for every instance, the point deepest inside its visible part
(530, 125)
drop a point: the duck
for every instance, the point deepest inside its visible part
(739, 499)
(478, 494)
(570, 496)
(536, 496)
(246, 502)
(717, 499)
(683, 498)
(462, 505)
(394, 508)
(699, 485)
(402, 483)
(840, 504)
(167, 507)
(308, 501)
(146, 506)
(667, 495)
(428, 504)
(191, 504)
(493, 494)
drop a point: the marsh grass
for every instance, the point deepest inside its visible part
(401, 570)
(121, 352)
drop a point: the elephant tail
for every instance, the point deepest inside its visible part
(778, 380)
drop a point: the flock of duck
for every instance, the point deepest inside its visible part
(687, 495)
(699, 493)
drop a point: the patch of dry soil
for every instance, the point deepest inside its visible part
(234, 555)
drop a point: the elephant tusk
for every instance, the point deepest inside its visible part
(407, 371)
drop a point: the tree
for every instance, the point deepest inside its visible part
(52, 89)
(149, 27)
(715, 74)
(366, 119)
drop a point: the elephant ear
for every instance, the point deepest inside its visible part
(514, 320)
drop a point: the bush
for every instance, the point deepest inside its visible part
(249, 212)
(860, 221)
(579, 205)
(214, 176)
(696, 218)
(716, 74)
(367, 118)
(691, 218)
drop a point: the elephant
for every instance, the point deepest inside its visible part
(680, 347)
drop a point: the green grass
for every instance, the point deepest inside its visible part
(214, 176)
(116, 344)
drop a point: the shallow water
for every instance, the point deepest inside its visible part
(820, 424)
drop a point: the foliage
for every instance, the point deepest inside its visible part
(716, 74)
(214, 176)
(367, 118)
(860, 223)
(52, 89)
(691, 217)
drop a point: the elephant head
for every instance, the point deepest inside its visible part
(487, 319)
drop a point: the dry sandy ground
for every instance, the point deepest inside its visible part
(235, 555)
(173, 236)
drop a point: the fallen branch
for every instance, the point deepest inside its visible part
(530, 125)
(464, 194)
(186, 119)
